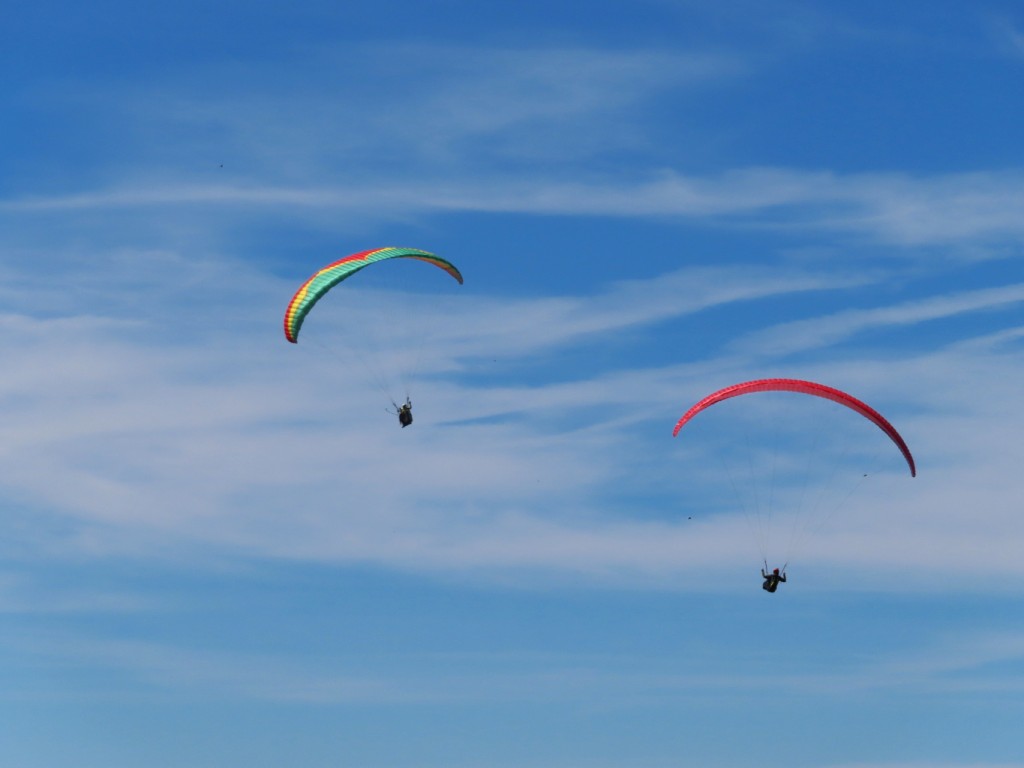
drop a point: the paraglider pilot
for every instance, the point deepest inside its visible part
(405, 413)
(772, 580)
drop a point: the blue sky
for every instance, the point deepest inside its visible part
(217, 549)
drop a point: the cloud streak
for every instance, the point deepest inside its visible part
(544, 131)
(889, 208)
(963, 665)
(799, 336)
(147, 441)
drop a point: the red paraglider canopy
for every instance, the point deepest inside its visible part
(807, 388)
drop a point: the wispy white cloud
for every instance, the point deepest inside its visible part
(532, 325)
(403, 110)
(92, 397)
(169, 669)
(820, 332)
(964, 665)
(1017, 39)
(240, 444)
(953, 209)
(1007, 35)
(971, 662)
(19, 596)
(496, 131)
(432, 130)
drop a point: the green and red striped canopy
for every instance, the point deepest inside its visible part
(323, 280)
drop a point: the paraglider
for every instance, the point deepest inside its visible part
(764, 468)
(772, 580)
(394, 360)
(405, 413)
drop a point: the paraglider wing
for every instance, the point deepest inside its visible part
(807, 388)
(323, 280)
